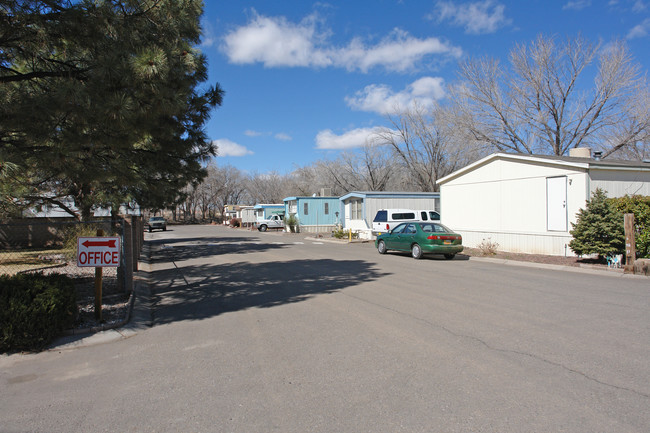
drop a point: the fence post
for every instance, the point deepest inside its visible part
(630, 242)
(129, 246)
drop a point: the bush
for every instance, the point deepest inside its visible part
(487, 247)
(292, 223)
(235, 223)
(339, 233)
(34, 309)
(640, 207)
(599, 228)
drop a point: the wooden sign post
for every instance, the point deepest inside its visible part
(98, 287)
(630, 242)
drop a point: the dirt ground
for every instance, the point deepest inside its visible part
(539, 258)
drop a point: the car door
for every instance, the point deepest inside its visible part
(406, 237)
(392, 239)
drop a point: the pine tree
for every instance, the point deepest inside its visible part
(599, 228)
(103, 101)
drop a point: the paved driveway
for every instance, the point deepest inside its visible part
(257, 332)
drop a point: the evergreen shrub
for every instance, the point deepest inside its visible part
(34, 309)
(599, 228)
(640, 207)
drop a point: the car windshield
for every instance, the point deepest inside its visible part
(156, 219)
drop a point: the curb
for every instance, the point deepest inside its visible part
(584, 269)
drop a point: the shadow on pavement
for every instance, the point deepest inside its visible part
(202, 291)
(168, 250)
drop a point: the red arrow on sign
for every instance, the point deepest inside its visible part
(109, 243)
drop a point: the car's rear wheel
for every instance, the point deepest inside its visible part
(450, 256)
(381, 247)
(416, 251)
(263, 228)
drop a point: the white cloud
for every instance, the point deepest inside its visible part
(577, 4)
(355, 138)
(283, 137)
(207, 37)
(226, 147)
(640, 31)
(397, 52)
(276, 42)
(278, 136)
(251, 133)
(477, 18)
(381, 99)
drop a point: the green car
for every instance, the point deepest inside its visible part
(421, 238)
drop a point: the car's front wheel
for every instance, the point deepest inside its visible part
(381, 247)
(263, 228)
(450, 256)
(416, 251)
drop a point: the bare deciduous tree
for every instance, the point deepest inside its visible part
(368, 169)
(227, 185)
(544, 103)
(427, 143)
(268, 187)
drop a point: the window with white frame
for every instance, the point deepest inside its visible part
(306, 209)
(356, 209)
(327, 209)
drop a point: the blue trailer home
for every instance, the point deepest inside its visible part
(315, 214)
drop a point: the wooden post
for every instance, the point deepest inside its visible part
(98, 287)
(630, 243)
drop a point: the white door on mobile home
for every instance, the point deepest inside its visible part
(556, 209)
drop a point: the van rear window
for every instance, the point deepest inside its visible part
(404, 216)
(381, 217)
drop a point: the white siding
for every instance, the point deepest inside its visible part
(556, 244)
(619, 183)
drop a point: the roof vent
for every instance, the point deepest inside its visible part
(598, 155)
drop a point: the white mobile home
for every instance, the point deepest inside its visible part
(526, 203)
(358, 208)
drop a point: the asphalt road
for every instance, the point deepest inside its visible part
(260, 332)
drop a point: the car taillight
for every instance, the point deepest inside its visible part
(444, 238)
(387, 227)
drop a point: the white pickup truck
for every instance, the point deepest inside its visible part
(274, 222)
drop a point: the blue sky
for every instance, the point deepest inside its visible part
(307, 80)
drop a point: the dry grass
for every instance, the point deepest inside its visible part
(13, 262)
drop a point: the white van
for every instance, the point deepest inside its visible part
(387, 219)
